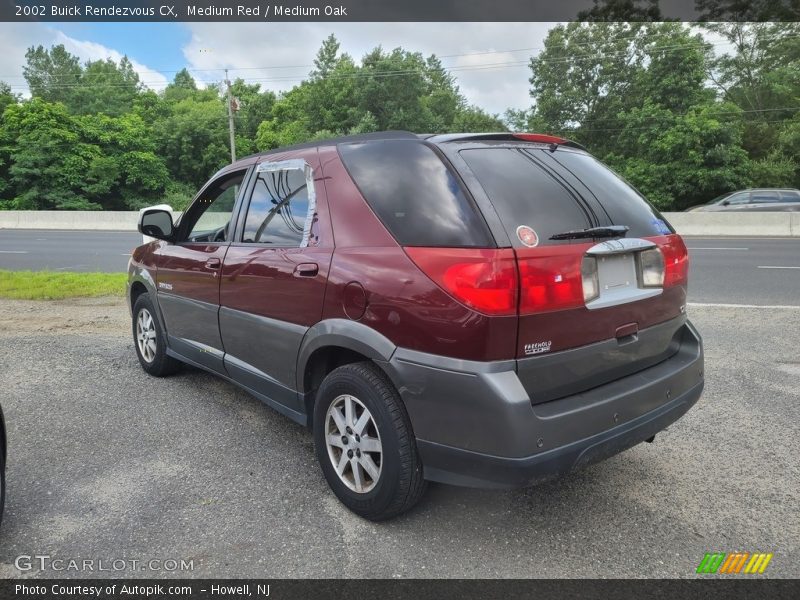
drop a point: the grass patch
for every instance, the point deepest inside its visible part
(56, 285)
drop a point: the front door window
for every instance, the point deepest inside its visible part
(209, 218)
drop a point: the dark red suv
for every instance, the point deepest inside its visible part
(476, 309)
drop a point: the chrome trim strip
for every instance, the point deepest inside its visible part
(620, 246)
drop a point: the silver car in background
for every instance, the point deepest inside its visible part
(758, 200)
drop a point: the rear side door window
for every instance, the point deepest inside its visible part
(764, 197)
(282, 205)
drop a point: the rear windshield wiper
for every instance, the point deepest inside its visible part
(593, 232)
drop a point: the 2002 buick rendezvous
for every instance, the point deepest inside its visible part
(476, 309)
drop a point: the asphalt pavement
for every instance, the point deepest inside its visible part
(763, 271)
(47, 249)
(106, 462)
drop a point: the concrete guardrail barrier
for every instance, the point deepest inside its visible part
(778, 224)
(773, 224)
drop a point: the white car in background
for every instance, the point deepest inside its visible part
(753, 200)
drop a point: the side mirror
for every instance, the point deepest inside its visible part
(157, 223)
(726, 202)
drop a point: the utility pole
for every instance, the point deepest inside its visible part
(230, 117)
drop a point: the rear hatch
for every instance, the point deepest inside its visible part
(602, 276)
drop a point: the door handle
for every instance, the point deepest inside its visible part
(213, 263)
(306, 270)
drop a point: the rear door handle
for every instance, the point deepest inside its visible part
(306, 270)
(213, 263)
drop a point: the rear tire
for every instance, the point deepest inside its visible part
(150, 340)
(365, 444)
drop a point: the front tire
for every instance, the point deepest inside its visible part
(364, 443)
(150, 340)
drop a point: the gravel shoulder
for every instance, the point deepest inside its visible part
(107, 462)
(105, 315)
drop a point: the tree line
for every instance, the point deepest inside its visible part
(683, 113)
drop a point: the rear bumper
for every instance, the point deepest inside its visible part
(476, 426)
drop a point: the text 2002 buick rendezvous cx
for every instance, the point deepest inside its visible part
(476, 309)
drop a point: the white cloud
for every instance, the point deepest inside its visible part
(16, 38)
(87, 50)
(487, 72)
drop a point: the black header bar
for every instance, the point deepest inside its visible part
(398, 10)
(414, 589)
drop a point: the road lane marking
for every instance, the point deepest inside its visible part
(779, 267)
(719, 305)
(13, 251)
(718, 248)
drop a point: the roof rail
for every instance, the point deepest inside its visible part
(377, 135)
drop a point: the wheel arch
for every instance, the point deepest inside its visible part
(332, 343)
(141, 282)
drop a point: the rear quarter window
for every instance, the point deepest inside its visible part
(790, 196)
(414, 194)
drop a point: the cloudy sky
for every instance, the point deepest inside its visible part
(489, 60)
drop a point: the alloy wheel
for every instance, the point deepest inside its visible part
(354, 443)
(146, 335)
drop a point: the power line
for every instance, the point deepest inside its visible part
(365, 72)
(671, 115)
(308, 66)
(641, 128)
(507, 64)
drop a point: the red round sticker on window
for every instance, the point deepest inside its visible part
(527, 236)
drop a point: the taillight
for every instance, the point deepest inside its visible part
(555, 278)
(483, 279)
(676, 261)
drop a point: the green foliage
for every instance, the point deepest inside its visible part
(47, 155)
(7, 97)
(680, 122)
(193, 139)
(704, 152)
(101, 86)
(52, 75)
(69, 162)
(388, 90)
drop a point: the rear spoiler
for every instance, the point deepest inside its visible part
(541, 138)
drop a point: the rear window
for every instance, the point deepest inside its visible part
(623, 204)
(524, 195)
(414, 194)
